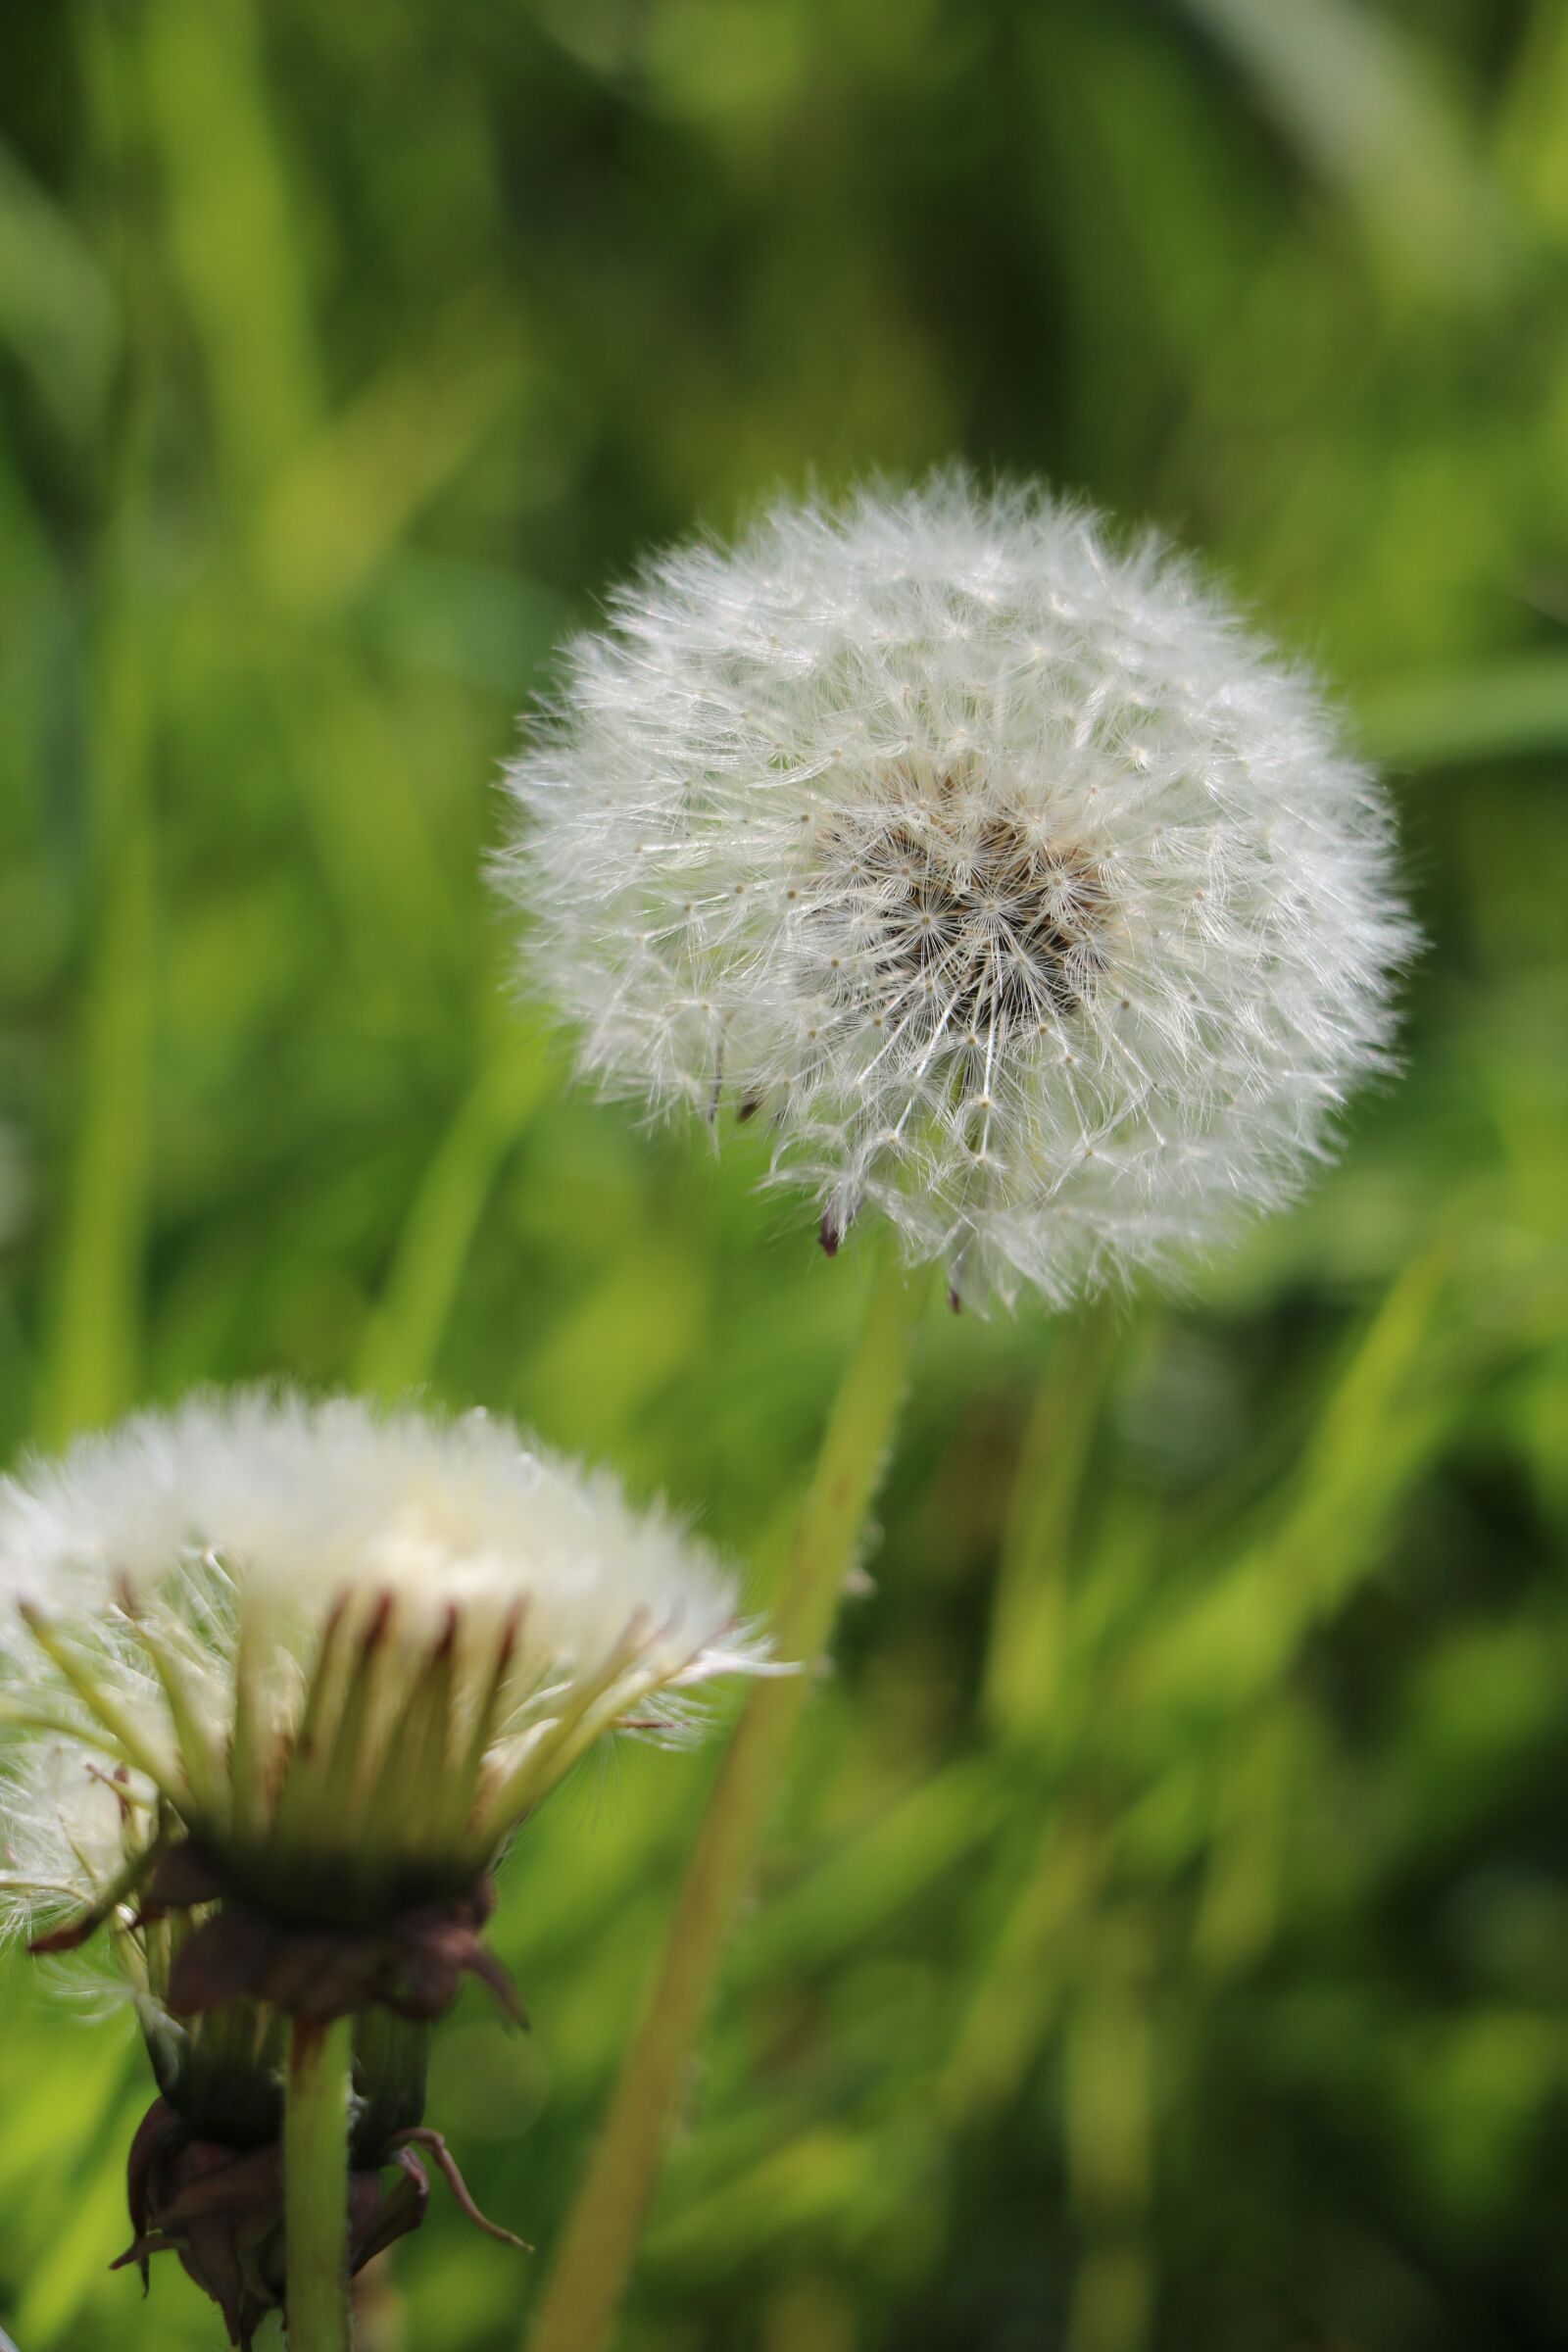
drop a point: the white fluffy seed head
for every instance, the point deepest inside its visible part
(1037, 904)
(325, 1639)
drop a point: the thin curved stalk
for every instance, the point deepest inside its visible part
(599, 2241)
(403, 1335)
(1025, 1654)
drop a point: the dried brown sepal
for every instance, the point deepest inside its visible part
(130, 1884)
(412, 1963)
(403, 2207)
(421, 2136)
(221, 2209)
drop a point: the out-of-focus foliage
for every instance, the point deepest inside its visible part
(1167, 1944)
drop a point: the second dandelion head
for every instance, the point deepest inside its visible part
(280, 1679)
(326, 1659)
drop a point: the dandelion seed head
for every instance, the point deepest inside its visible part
(347, 1650)
(1035, 904)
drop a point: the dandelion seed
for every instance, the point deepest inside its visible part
(1036, 903)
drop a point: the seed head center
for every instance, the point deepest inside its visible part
(978, 915)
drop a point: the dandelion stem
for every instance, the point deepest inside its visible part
(316, 2185)
(600, 2239)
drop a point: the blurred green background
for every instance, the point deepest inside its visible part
(1166, 1942)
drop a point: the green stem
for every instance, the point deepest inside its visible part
(602, 2231)
(88, 1355)
(403, 1336)
(316, 2185)
(1026, 1653)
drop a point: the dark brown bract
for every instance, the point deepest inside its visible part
(221, 2209)
(413, 1961)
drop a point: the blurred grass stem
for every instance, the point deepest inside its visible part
(316, 2185)
(89, 1358)
(1026, 1652)
(403, 1338)
(598, 2243)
